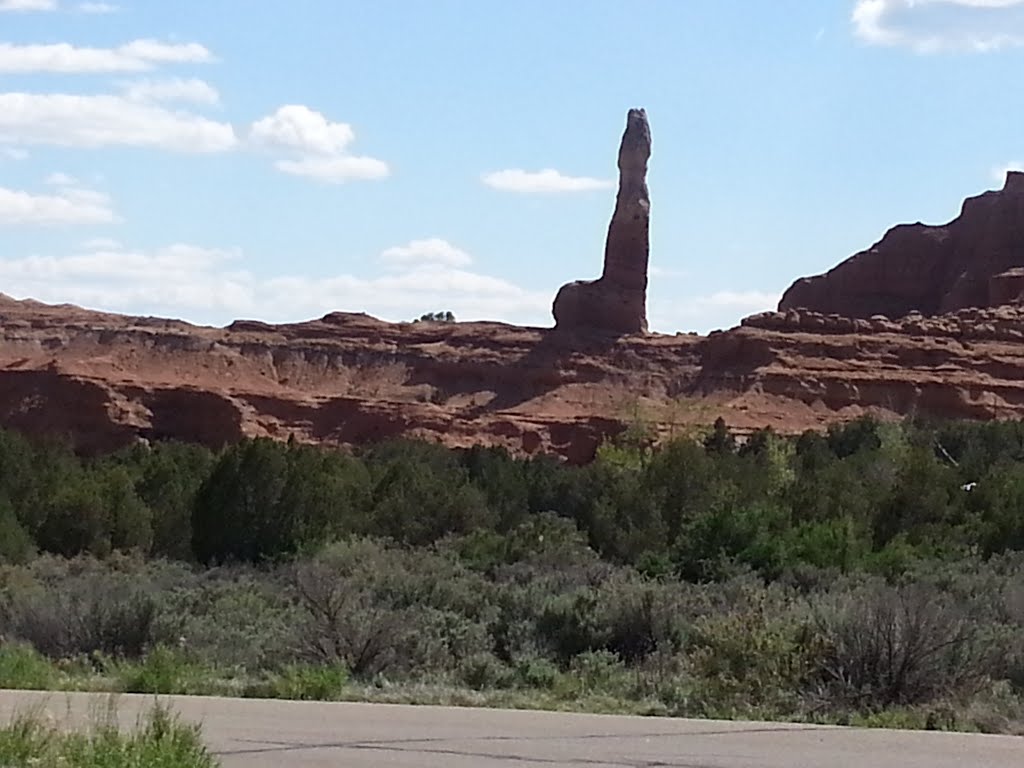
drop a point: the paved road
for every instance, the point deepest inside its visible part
(267, 734)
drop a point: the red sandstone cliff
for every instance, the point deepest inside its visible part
(973, 261)
(106, 380)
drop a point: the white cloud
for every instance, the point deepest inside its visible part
(928, 26)
(69, 206)
(28, 5)
(431, 251)
(204, 285)
(335, 170)
(547, 180)
(14, 153)
(178, 89)
(136, 56)
(297, 127)
(317, 146)
(98, 8)
(104, 120)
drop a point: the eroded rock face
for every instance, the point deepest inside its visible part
(617, 301)
(105, 381)
(929, 269)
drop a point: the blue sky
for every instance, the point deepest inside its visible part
(216, 159)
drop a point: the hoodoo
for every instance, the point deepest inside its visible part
(617, 301)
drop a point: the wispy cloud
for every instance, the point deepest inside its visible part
(929, 26)
(71, 205)
(431, 251)
(335, 170)
(27, 5)
(211, 285)
(72, 120)
(97, 8)
(545, 181)
(52, 5)
(59, 179)
(191, 90)
(64, 58)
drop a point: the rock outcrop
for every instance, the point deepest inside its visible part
(617, 301)
(969, 262)
(104, 381)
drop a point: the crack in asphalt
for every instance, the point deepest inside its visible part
(407, 746)
(523, 759)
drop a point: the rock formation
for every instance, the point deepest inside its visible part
(617, 301)
(973, 261)
(104, 381)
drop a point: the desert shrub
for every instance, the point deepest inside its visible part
(888, 645)
(643, 618)
(621, 613)
(598, 671)
(569, 625)
(484, 671)
(64, 608)
(228, 618)
(374, 608)
(751, 657)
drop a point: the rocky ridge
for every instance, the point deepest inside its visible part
(973, 261)
(105, 381)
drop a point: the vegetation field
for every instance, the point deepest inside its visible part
(872, 575)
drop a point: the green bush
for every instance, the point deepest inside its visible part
(484, 671)
(24, 668)
(309, 682)
(537, 674)
(163, 671)
(160, 741)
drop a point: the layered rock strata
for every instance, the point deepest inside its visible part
(104, 381)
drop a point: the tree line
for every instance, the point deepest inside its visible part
(864, 496)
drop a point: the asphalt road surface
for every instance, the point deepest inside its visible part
(267, 734)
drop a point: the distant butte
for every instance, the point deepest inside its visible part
(617, 301)
(973, 261)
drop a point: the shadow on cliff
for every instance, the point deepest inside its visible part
(559, 358)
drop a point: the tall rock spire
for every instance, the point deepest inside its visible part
(617, 301)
